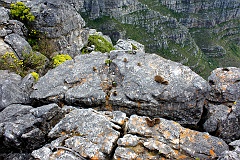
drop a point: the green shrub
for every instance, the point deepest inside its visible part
(21, 12)
(60, 58)
(34, 61)
(35, 75)
(100, 43)
(10, 62)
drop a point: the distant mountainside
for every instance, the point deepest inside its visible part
(201, 34)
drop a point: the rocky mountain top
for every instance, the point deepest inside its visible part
(126, 104)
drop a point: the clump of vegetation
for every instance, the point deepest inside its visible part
(9, 61)
(134, 47)
(35, 75)
(100, 43)
(21, 12)
(108, 62)
(34, 61)
(60, 58)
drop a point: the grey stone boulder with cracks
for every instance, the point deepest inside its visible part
(159, 138)
(83, 133)
(24, 127)
(14, 89)
(144, 84)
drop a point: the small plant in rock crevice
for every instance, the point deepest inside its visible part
(60, 58)
(21, 12)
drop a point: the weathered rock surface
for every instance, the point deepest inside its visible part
(160, 138)
(14, 89)
(85, 132)
(19, 44)
(140, 83)
(4, 17)
(61, 23)
(4, 47)
(128, 45)
(224, 121)
(91, 134)
(24, 128)
(225, 84)
(232, 155)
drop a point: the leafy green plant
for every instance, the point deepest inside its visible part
(21, 12)
(134, 47)
(60, 58)
(35, 75)
(10, 62)
(108, 62)
(100, 43)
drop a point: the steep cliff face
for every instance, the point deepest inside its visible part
(179, 30)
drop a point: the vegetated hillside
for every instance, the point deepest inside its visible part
(203, 35)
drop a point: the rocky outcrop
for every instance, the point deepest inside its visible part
(140, 83)
(233, 155)
(86, 133)
(24, 128)
(223, 110)
(14, 89)
(128, 45)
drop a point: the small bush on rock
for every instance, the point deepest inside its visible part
(35, 75)
(100, 43)
(60, 58)
(21, 12)
(9, 61)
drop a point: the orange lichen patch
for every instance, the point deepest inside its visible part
(139, 105)
(63, 133)
(95, 157)
(166, 134)
(189, 134)
(206, 136)
(220, 143)
(212, 153)
(224, 87)
(59, 152)
(138, 149)
(181, 157)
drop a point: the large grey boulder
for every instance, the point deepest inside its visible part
(14, 89)
(223, 121)
(129, 45)
(160, 138)
(140, 83)
(18, 44)
(83, 133)
(59, 21)
(225, 84)
(24, 128)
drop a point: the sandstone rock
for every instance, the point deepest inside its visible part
(225, 84)
(223, 121)
(24, 127)
(19, 44)
(160, 138)
(4, 17)
(4, 48)
(87, 133)
(14, 89)
(128, 84)
(232, 155)
(128, 45)
(61, 23)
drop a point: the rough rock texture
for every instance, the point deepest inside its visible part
(232, 155)
(4, 17)
(134, 83)
(24, 128)
(19, 44)
(224, 121)
(225, 84)
(160, 138)
(4, 47)
(62, 23)
(91, 134)
(85, 132)
(14, 89)
(128, 45)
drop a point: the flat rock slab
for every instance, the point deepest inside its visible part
(138, 83)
